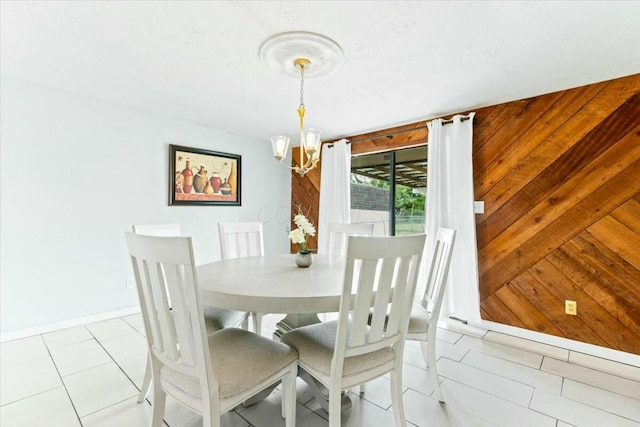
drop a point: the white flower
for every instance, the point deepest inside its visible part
(304, 229)
(297, 236)
(301, 220)
(303, 223)
(308, 229)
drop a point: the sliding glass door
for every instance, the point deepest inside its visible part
(389, 189)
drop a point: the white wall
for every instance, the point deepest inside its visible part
(76, 173)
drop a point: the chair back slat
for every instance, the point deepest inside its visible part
(158, 285)
(399, 311)
(383, 293)
(180, 316)
(380, 277)
(438, 271)
(383, 296)
(240, 239)
(147, 301)
(368, 272)
(164, 271)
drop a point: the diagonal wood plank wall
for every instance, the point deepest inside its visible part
(560, 178)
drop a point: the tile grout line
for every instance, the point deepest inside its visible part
(469, 349)
(594, 368)
(55, 365)
(505, 377)
(491, 373)
(119, 367)
(596, 407)
(590, 384)
(30, 396)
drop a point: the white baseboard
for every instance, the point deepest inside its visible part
(460, 327)
(65, 324)
(480, 328)
(572, 345)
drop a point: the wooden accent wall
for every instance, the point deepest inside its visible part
(305, 193)
(560, 178)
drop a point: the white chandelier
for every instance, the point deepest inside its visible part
(309, 53)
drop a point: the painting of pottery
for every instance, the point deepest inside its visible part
(203, 177)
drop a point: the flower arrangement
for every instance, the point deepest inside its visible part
(302, 232)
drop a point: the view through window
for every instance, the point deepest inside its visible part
(389, 190)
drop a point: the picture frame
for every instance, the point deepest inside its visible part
(204, 177)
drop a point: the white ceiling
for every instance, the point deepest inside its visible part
(404, 60)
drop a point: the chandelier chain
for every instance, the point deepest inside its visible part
(302, 86)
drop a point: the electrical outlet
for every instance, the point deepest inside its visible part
(571, 307)
(131, 283)
(478, 206)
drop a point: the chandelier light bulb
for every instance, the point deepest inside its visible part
(280, 145)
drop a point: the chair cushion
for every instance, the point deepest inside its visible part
(240, 359)
(419, 320)
(315, 345)
(220, 318)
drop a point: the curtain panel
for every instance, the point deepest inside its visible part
(450, 204)
(335, 189)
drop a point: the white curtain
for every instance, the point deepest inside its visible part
(450, 204)
(335, 189)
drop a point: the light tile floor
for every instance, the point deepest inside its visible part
(90, 376)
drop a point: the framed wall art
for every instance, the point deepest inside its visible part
(203, 177)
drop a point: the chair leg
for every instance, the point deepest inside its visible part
(289, 396)
(146, 383)
(159, 401)
(396, 395)
(210, 419)
(257, 322)
(429, 354)
(335, 407)
(211, 413)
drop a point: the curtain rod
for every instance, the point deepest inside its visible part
(391, 134)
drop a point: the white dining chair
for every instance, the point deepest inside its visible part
(167, 230)
(242, 239)
(210, 374)
(338, 233)
(380, 276)
(423, 322)
(214, 318)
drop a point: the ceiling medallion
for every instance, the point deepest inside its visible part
(280, 51)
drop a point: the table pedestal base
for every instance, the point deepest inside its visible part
(321, 393)
(293, 321)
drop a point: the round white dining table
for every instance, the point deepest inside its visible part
(272, 284)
